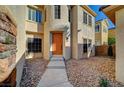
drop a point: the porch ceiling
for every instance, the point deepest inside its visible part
(110, 11)
(41, 6)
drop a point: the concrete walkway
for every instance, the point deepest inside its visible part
(55, 75)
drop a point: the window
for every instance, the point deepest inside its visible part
(89, 20)
(85, 17)
(57, 11)
(89, 43)
(34, 15)
(34, 45)
(29, 14)
(84, 45)
(97, 28)
(45, 15)
(69, 15)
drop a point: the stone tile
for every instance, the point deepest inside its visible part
(7, 62)
(7, 38)
(6, 47)
(7, 53)
(3, 17)
(8, 26)
(2, 47)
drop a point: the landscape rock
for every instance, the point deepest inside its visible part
(33, 71)
(88, 72)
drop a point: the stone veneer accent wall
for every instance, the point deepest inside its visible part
(7, 46)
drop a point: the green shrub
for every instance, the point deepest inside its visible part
(104, 82)
(111, 40)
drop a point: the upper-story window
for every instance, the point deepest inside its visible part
(57, 11)
(69, 15)
(89, 20)
(34, 15)
(85, 17)
(97, 28)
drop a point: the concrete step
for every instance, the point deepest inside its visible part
(57, 58)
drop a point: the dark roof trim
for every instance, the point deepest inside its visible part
(102, 7)
(111, 28)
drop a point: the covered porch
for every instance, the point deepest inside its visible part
(116, 14)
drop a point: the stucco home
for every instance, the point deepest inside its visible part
(83, 32)
(49, 30)
(61, 31)
(116, 14)
(101, 32)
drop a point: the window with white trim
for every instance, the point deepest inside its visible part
(57, 11)
(89, 20)
(97, 28)
(69, 15)
(84, 17)
(34, 15)
(34, 45)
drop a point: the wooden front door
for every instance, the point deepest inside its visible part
(57, 43)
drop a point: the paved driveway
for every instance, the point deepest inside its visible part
(55, 75)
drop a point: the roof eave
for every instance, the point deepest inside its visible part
(110, 11)
(87, 8)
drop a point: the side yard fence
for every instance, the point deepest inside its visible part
(105, 50)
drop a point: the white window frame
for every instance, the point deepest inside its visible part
(85, 17)
(32, 16)
(57, 11)
(89, 20)
(98, 29)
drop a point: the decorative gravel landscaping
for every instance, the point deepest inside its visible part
(32, 72)
(92, 72)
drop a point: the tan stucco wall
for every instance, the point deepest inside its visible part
(53, 24)
(120, 45)
(102, 36)
(111, 33)
(98, 38)
(81, 31)
(33, 26)
(87, 32)
(74, 32)
(35, 29)
(19, 14)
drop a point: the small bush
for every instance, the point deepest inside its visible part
(111, 41)
(104, 82)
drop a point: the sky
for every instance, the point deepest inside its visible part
(100, 14)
